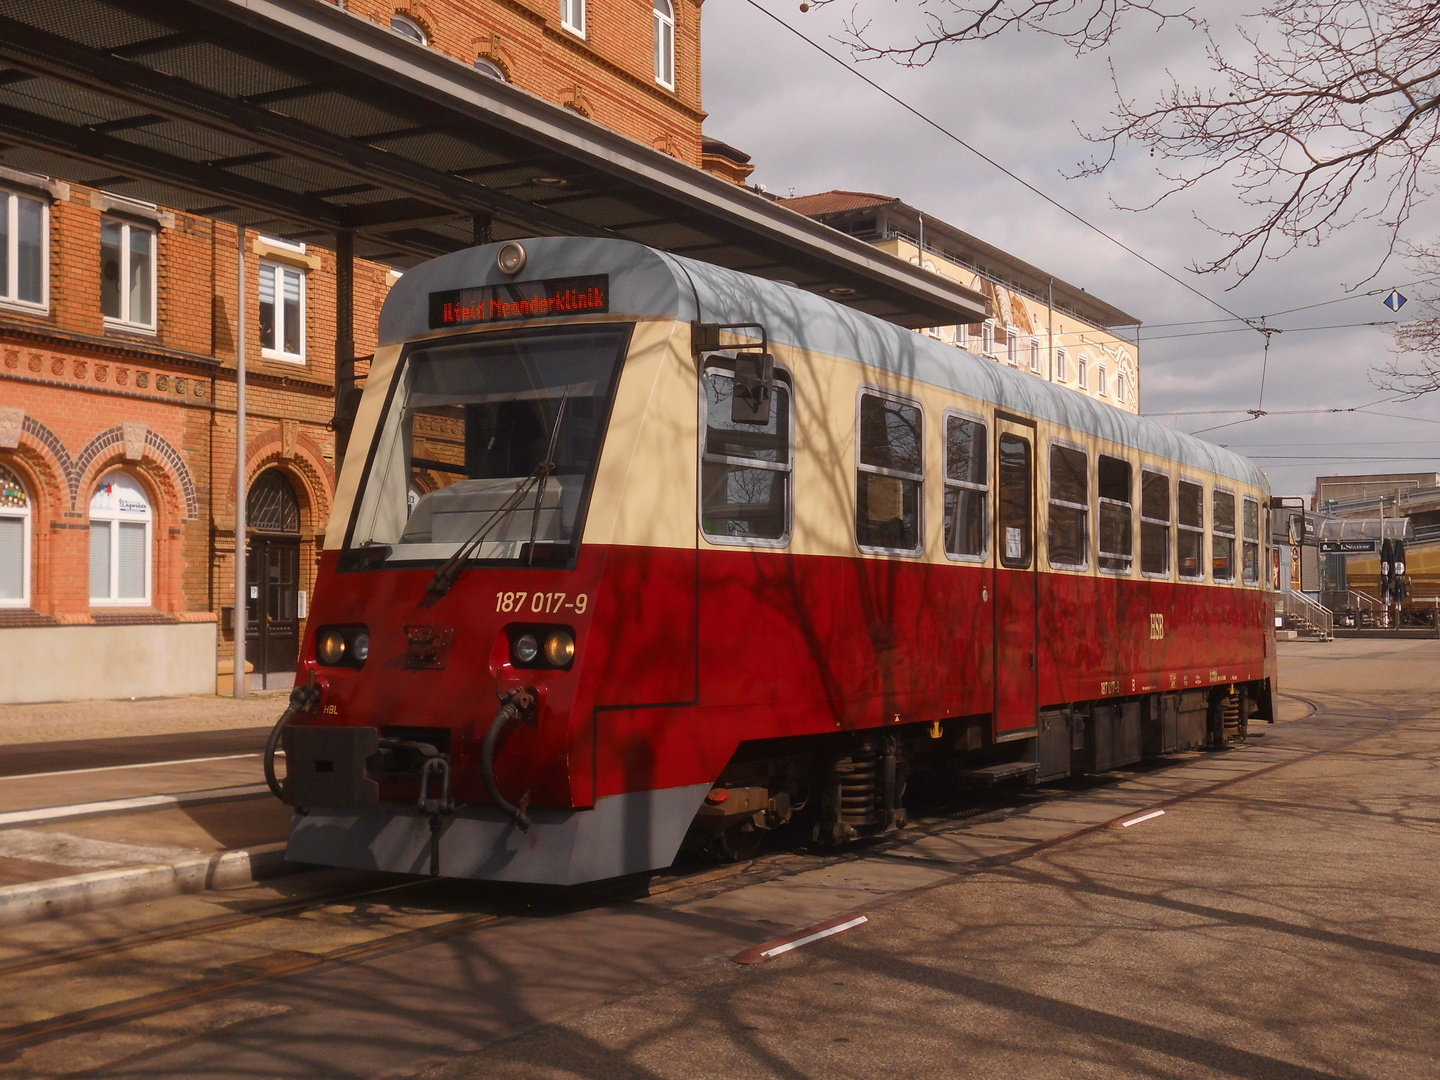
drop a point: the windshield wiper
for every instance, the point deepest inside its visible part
(451, 569)
(545, 476)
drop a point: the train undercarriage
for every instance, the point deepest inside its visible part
(848, 786)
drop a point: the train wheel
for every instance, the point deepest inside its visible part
(738, 842)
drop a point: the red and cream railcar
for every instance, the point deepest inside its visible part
(599, 576)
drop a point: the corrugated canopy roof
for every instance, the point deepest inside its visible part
(299, 119)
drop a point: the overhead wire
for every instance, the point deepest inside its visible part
(1252, 323)
(991, 161)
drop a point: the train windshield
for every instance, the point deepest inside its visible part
(463, 455)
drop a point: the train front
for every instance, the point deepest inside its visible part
(442, 721)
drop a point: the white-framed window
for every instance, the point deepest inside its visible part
(1251, 551)
(1102, 384)
(1222, 527)
(1012, 345)
(490, 68)
(1154, 523)
(665, 44)
(1068, 535)
(282, 312)
(1122, 387)
(1035, 364)
(409, 28)
(745, 469)
(24, 250)
(1062, 365)
(120, 528)
(1082, 372)
(1116, 511)
(889, 473)
(967, 486)
(127, 274)
(1190, 534)
(987, 338)
(14, 541)
(572, 16)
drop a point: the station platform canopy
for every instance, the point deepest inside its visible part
(301, 120)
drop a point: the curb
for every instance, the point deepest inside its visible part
(59, 897)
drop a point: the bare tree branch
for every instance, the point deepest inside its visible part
(1084, 25)
(1414, 366)
(1331, 115)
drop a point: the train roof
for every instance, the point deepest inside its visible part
(645, 282)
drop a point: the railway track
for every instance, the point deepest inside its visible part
(501, 906)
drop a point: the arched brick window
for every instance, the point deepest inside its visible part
(120, 542)
(14, 541)
(272, 506)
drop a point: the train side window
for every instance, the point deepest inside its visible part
(1069, 507)
(1190, 540)
(1117, 528)
(1251, 537)
(967, 482)
(1154, 523)
(1013, 512)
(889, 474)
(1223, 536)
(745, 469)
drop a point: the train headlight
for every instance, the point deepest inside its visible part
(511, 258)
(526, 648)
(330, 646)
(559, 648)
(343, 646)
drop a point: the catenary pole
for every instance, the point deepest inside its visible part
(240, 621)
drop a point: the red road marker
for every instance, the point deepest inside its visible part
(768, 950)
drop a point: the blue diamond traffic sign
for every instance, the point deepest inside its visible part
(1395, 301)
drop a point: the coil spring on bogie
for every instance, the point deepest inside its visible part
(856, 791)
(1230, 716)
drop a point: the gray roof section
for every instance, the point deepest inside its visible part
(646, 282)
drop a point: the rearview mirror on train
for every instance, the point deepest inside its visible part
(754, 387)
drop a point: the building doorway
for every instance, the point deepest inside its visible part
(272, 571)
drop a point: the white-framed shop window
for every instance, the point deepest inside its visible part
(120, 538)
(572, 16)
(665, 44)
(127, 274)
(24, 251)
(15, 534)
(282, 312)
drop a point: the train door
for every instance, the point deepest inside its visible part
(1017, 695)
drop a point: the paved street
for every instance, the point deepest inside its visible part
(1276, 921)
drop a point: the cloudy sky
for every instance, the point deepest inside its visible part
(811, 126)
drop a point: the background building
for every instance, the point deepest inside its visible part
(118, 353)
(1038, 323)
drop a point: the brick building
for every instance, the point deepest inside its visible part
(118, 352)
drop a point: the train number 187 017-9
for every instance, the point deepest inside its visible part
(541, 603)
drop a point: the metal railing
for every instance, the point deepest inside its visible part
(1364, 609)
(1298, 612)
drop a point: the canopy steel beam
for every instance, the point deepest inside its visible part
(55, 57)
